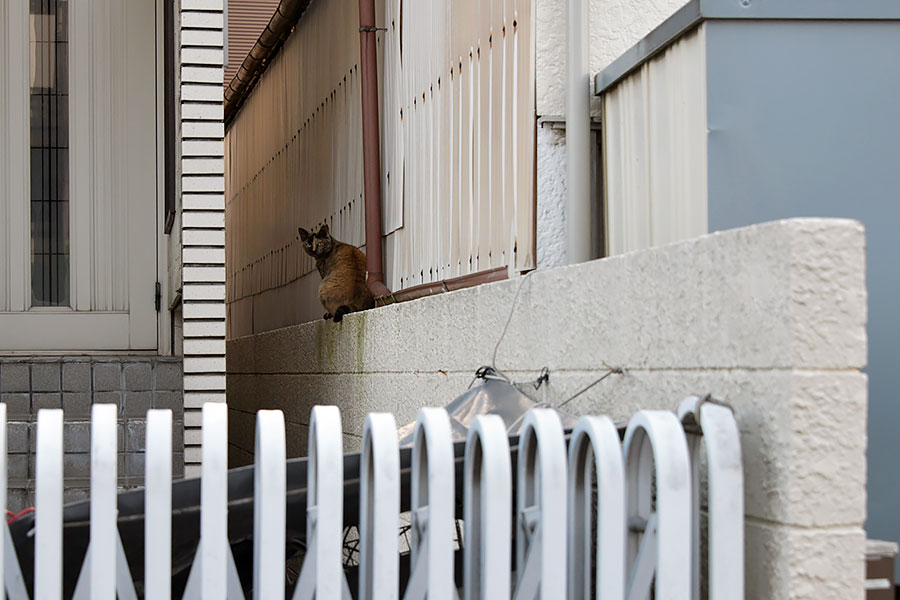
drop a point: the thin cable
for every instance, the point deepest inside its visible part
(512, 309)
(545, 373)
(611, 370)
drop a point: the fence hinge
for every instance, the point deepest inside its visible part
(158, 296)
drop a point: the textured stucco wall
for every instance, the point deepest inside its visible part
(551, 233)
(616, 25)
(771, 317)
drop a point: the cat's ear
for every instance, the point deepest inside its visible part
(323, 231)
(304, 234)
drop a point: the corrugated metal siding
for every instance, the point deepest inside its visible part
(458, 138)
(458, 166)
(294, 158)
(246, 20)
(654, 127)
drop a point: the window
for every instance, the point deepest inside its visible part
(49, 152)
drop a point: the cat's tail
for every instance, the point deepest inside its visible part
(340, 312)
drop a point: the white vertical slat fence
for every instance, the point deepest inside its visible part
(641, 497)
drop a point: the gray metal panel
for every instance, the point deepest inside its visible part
(801, 9)
(697, 10)
(804, 121)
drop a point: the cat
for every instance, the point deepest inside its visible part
(343, 269)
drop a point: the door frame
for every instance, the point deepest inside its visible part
(45, 330)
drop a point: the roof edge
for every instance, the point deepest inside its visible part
(260, 56)
(695, 11)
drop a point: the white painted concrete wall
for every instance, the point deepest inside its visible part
(616, 25)
(771, 317)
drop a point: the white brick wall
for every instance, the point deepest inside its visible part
(203, 216)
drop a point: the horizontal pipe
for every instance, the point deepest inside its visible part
(445, 285)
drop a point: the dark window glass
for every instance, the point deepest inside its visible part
(49, 22)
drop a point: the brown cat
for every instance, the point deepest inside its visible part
(343, 269)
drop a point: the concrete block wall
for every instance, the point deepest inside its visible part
(135, 385)
(770, 317)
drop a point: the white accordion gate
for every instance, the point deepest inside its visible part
(641, 532)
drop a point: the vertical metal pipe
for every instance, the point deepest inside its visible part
(371, 150)
(578, 132)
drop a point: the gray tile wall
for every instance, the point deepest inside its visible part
(134, 384)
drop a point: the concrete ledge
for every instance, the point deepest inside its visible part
(788, 294)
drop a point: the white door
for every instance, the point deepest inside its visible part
(78, 175)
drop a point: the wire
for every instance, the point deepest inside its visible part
(544, 377)
(612, 370)
(512, 310)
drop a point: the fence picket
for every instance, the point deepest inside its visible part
(541, 508)
(655, 444)
(102, 548)
(3, 459)
(596, 437)
(158, 506)
(270, 485)
(379, 505)
(726, 495)
(321, 576)
(487, 510)
(214, 500)
(11, 580)
(48, 506)
(431, 554)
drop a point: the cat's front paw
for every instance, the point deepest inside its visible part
(327, 316)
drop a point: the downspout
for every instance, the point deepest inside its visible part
(578, 133)
(371, 150)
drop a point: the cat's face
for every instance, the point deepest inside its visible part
(319, 244)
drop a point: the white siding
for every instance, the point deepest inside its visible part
(203, 217)
(458, 144)
(655, 150)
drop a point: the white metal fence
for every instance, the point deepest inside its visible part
(642, 498)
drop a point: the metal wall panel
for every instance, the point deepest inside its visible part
(655, 149)
(457, 121)
(294, 154)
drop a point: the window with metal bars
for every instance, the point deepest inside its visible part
(49, 122)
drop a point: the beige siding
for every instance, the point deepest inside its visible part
(457, 120)
(294, 158)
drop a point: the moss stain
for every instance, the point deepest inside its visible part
(360, 322)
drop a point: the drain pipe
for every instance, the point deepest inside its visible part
(371, 151)
(578, 132)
